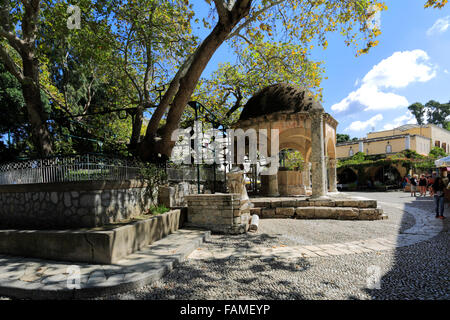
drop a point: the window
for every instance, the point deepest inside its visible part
(350, 152)
(437, 143)
(444, 146)
(388, 148)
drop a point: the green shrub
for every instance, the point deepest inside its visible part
(154, 177)
(155, 210)
(294, 161)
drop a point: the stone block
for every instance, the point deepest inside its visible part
(91, 246)
(285, 212)
(325, 213)
(322, 203)
(289, 203)
(347, 213)
(261, 204)
(370, 213)
(367, 204)
(268, 213)
(276, 204)
(305, 212)
(356, 203)
(303, 203)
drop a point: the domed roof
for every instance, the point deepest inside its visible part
(279, 97)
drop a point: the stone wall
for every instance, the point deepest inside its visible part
(92, 246)
(339, 209)
(174, 195)
(217, 212)
(71, 204)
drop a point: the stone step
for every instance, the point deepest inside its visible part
(289, 203)
(26, 278)
(339, 213)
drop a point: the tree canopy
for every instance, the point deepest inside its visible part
(122, 81)
(432, 112)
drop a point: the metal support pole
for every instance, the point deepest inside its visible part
(198, 165)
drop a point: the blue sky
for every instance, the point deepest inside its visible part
(410, 64)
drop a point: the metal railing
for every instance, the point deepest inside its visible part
(188, 173)
(84, 167)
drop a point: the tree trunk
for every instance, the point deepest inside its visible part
(188, 81)
(36, 114)
(137, 127)
(29, 76)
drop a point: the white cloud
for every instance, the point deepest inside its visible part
(405, 119)
(371, 98)
(440, 26)
(362, 125)
(398, 71)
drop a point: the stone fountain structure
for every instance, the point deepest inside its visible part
(302, 125)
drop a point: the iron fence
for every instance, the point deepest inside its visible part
(188, 173)
(68, 168)
(91, 167)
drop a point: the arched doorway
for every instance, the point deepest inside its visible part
(298, 121)
(347, 179)
(388, 176)
(291, 173)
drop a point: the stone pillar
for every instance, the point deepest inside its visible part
(319, 187)
(270, 185)
(306, 176)
(332, 175)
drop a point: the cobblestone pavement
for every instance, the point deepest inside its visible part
(33, 278)
(404, 257)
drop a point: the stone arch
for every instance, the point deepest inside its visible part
(302, 125)
(388, 175)
(347, 176)
(330, 148)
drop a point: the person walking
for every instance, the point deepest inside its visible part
(413, 182)
(438, 191)
(423, 185)
(430, 183)
(404, 182)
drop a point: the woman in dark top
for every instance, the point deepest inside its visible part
(438, 190)
(413, 185)
(423, 185)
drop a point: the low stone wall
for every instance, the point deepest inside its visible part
(71, 204)
(218, 213)
(92, 246)
(174, 195)
(290, 183)
(345, 209)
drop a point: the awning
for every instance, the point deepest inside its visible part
(443, 162)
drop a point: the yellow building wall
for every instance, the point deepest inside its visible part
(342, 151)
(379, 147)
(432, 132)
(421, 145)
(375, 147)
(426, 132)
(441, 135)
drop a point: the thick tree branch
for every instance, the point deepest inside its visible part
(10, 65)
(222, 10)
(17, 43)
(252, 18)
